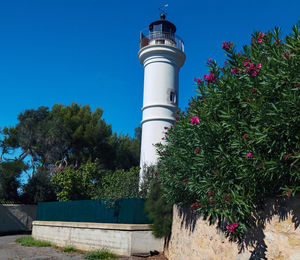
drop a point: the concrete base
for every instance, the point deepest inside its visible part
(122, 239)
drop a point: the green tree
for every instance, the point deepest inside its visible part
(9, 179)
(126, 152)
(63, 139)
(40, 137)
(38, 188)
(88, 135)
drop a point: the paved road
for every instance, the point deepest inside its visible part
(10, 250)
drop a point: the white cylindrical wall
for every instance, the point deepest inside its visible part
(161, 74)
(152, 133)
(160, 78)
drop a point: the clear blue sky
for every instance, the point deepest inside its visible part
(64, 51)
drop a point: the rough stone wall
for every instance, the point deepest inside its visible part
(16, 217)
(277, 236)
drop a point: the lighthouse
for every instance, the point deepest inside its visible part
(162, 55)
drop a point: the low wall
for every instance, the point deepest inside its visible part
(277, 236)
(16, 217)
(122, 239)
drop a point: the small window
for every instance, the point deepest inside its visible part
(172, 97)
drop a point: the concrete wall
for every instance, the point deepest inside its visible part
(16, 217)
(277, 236)
(122, 239)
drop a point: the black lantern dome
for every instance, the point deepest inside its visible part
(162, 25)
(161, 32)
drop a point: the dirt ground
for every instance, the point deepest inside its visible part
(10, 250)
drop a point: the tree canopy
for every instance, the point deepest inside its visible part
(63, 139)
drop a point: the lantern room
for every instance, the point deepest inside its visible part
(161, 32)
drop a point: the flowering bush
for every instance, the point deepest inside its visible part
(239, 140)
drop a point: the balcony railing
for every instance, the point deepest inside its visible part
(161, 38)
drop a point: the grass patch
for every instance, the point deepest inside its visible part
(30, 241)
(69, 249)
(101, 254)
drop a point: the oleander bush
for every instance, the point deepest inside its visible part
(238, 142)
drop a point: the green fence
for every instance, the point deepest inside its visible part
(126, 211)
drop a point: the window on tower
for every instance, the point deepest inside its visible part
(172, 97)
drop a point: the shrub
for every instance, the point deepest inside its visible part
(70, 249)
(120, 184)
(239, 140)
(159, 210)
(149, 172)
(101, 254)
(91, 181)
(77, 184)
(30, 241)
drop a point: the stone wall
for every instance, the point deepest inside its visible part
(122, 239)
(277, 236)
(16, 217)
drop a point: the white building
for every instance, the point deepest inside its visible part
(162, 55)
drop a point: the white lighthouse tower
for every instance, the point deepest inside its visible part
(162, 55)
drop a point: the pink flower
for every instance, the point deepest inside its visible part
(245, 63)
(177, 117)
(232, 227)
(239, 53)
(259, 40)
(199, 80)
(195, 120)
(196, 150)
(258, 66)
(254, 73)
(226, 45)
(252, 65)
(245, 136)
(166, 127)
(209, 78)
(234, 70)
(210, 60)
(248, 69)
(249, 155)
